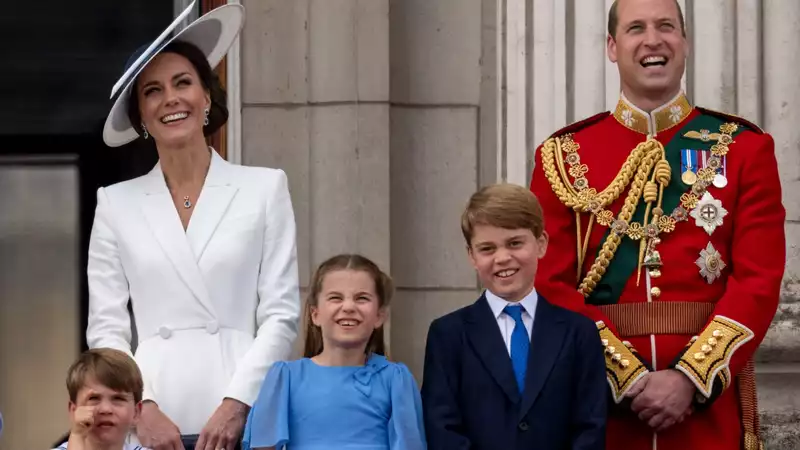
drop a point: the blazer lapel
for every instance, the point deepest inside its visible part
(216, 196)
(547, 340)
(160, 214)
(484, 335)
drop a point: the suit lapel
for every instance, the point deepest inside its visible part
(211, 206)
(162, 218)
(484, 335)
(547, 340)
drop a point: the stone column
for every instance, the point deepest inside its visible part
(315, 96)
(779, 358)
(588, 59)
(435, 94)
(712, 55)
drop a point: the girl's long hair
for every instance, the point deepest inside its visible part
(384, 288)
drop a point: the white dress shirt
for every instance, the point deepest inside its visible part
(506, 322)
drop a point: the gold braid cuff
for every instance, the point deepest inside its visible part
(710, 353)
(623, 368)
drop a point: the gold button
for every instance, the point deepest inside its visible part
(616, 357)
(605, 342)
(655, 292)
(706, 348)
(712, 342)
(655, 273)
(699, 356)
(624, 363)
(717, 334)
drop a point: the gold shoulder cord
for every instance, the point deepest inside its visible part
(637, 168)
(648, 173)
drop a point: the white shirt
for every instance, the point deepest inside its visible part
(506, 322)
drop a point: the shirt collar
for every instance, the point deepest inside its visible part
(662, 118)
(497, 304)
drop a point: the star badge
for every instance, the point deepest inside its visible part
(710, 263)
(708, 213)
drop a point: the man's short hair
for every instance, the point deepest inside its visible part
(613, 19)
(508, 206)
(109, 367)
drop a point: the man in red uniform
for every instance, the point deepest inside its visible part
(669, 232)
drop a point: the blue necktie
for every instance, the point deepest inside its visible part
(519, 345)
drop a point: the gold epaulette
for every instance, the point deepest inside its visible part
(581, 124)
(708, 357)
(623, 368)
(731, 118)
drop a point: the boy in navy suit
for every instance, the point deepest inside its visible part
(512, 371)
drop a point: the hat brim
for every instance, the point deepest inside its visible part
(212, 33)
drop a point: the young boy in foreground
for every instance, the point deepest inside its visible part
(105, 394)
(512, 371)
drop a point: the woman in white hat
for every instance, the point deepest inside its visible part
(204, 250)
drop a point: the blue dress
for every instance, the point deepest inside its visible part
(305, 406)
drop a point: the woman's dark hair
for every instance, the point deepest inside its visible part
(218, 113)
(384, 289)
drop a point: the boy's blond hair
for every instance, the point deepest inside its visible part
(111, 368)
(508, 206)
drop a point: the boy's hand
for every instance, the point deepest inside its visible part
(83, 419)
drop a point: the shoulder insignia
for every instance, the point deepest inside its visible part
(702, 135)
(732, 118)
(573, 127)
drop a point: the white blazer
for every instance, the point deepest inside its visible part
(214, 306)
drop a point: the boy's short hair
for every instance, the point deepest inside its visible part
(111, 368)
(504, 205)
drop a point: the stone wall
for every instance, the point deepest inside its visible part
(388, 114)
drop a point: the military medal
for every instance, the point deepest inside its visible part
(720, 180)
(718, 164)
(688, 176)
(708, 213)
(710, 263)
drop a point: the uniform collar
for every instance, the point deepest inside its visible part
(662, 118)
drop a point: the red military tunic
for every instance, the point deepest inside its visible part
(711, 269)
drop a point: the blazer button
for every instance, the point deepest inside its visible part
(212, 327)
(165, 332)
(523, 426)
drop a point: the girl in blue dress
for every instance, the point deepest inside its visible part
(344, 394)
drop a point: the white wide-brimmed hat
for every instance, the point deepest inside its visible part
(213, 34)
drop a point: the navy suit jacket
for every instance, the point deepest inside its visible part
(470, 396)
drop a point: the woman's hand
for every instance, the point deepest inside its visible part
(156, 431)
(224, 429)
